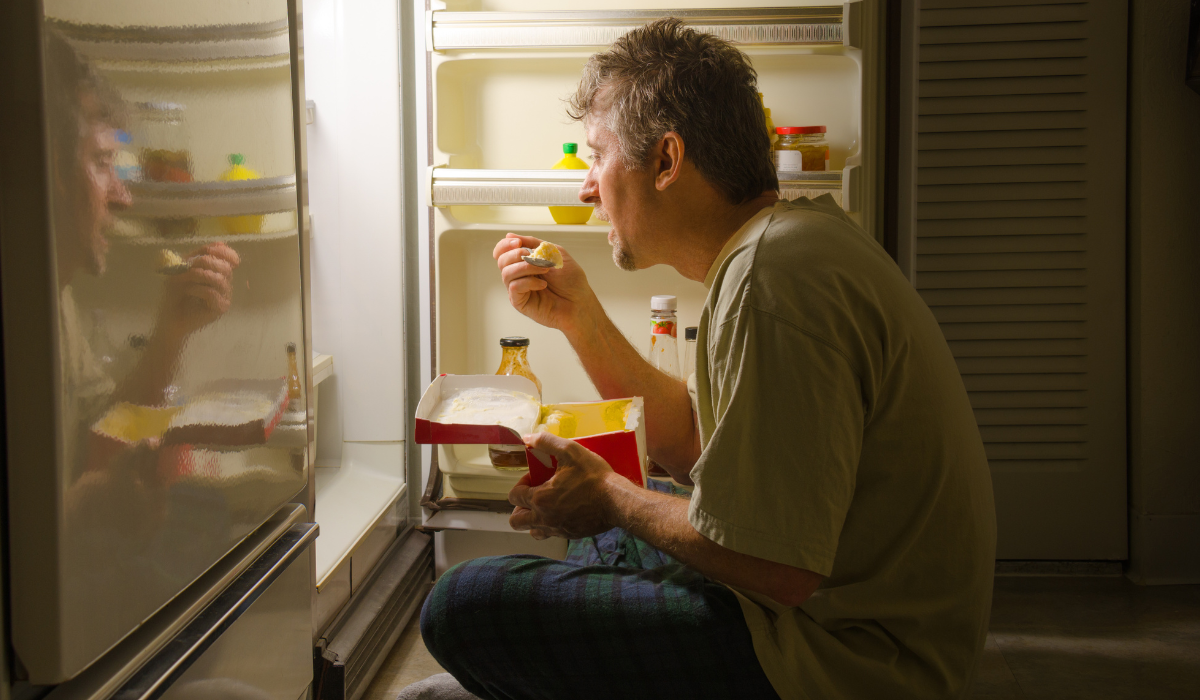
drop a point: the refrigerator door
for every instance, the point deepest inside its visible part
(154, 344)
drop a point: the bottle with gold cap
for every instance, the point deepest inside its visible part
(293, 379)
(570, 215)
(514, 359)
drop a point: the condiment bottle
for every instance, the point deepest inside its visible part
(514, 359)
(664, 351)
(249, 223)
(293, 379)
(801, 148)
(689, 351)
(771, 135)
(570, 161)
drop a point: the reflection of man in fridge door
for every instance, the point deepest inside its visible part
(840, 538)
(84, 113)
(116, 481)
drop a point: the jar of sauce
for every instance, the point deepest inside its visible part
(801, 148)
(514, 359)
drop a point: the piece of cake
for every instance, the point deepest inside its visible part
(549, 251)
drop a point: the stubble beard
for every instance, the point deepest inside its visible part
(622, 256)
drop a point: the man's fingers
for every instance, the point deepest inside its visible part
(525, 285)
(219, 250)
(212, 263)
(561, 448)
(513, 241)
(522, 270)
(200, 277)
(520, 495)
(512, 257)
(521, 519)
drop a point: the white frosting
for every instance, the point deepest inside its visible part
(488, 406)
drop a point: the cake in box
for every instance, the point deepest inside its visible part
(463, 414)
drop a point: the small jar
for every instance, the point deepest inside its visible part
(514, 359)
(801, 148)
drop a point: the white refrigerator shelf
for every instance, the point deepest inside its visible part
(782, 26)
(477, 187)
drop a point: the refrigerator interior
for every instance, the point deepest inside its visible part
(130, 520)
(502, 109)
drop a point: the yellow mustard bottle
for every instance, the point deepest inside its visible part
(570, 215)
(250, 223)
(771, 135)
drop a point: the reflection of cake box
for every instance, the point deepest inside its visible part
(611, 429)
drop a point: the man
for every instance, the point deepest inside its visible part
(83, 114)
(839, 542)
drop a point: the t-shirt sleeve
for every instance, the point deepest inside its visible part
(777, 476)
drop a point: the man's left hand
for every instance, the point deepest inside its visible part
(574, 502)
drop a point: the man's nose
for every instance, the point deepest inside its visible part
(118, 194)
(589, 193)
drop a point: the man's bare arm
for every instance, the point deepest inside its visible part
(586, 496)
(562, 299)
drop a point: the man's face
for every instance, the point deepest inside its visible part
(620, 196)
(103, 193)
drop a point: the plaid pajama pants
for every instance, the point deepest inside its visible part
(616, 619)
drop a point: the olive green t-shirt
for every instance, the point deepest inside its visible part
(837, 437)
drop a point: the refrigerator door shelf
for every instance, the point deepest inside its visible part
(237, 198)
(806, 26)
(451, 187)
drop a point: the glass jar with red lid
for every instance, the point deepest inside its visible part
(801, 148)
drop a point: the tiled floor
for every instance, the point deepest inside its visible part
(1051, 638)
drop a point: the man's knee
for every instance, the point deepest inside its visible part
(459, 598)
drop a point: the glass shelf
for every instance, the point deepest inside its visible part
(800, 26)
(236, 198)
(232, 47)
(478, 187)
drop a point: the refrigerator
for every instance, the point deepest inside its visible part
(159, 379)
(491, 80)
(179, 430)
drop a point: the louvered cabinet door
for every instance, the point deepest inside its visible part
(1020, 253)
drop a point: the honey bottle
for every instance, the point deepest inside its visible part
(514, 359)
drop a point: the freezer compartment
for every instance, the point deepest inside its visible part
(120, 665)
(253, 641)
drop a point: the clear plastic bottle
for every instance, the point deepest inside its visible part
(514, 359)
(664, 342)
(664, 351)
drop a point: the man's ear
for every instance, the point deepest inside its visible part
(667, 160)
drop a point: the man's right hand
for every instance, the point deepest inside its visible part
(558, 299)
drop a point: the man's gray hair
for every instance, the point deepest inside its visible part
(667, 77)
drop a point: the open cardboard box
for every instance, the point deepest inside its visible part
(612, 429)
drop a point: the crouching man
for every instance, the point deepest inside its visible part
(840, 539)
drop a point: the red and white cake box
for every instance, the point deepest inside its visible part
(612, 429)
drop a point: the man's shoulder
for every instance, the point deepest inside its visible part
(805, 244)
